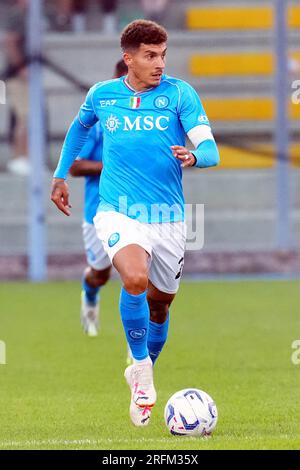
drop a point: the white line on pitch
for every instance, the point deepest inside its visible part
(82, 442)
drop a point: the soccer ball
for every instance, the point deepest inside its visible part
(191, 412)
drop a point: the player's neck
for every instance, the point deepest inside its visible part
(136, 84)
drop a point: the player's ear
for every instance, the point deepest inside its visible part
(127, 57)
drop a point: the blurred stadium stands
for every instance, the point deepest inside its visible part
(224, 49)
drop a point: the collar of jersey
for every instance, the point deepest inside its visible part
(135, 91)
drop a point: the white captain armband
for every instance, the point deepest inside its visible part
(199, 134)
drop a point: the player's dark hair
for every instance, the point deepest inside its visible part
(142, 32)
(120, 68)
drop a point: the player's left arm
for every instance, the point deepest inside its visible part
(85, 167)
(196, 125)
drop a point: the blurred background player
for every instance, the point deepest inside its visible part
(16, 58)
(155, 10)
(73, 13)
(17, 86)
(89, 165)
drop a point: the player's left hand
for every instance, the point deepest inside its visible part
(184, 155)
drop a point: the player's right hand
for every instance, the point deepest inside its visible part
(60, 195)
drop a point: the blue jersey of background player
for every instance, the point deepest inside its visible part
(89, 165)
(91, 152)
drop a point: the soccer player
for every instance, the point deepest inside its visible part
(140, 220)
(89, 165)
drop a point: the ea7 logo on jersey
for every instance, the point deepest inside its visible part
(146, 123)
(105, 103)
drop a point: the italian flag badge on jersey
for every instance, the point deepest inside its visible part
(135, 102)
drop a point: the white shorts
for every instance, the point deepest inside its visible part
(165, 244)
(95, 254)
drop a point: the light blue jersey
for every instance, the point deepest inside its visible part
(92, 150)
(140, 177)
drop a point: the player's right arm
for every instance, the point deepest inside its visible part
(75, 139)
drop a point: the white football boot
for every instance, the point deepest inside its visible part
(89, 317)
(143, 395)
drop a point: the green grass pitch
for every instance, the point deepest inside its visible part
(62, 390)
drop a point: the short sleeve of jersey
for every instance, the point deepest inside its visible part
(87, 115)
(191, 111)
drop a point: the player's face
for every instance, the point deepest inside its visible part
(147, 63)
